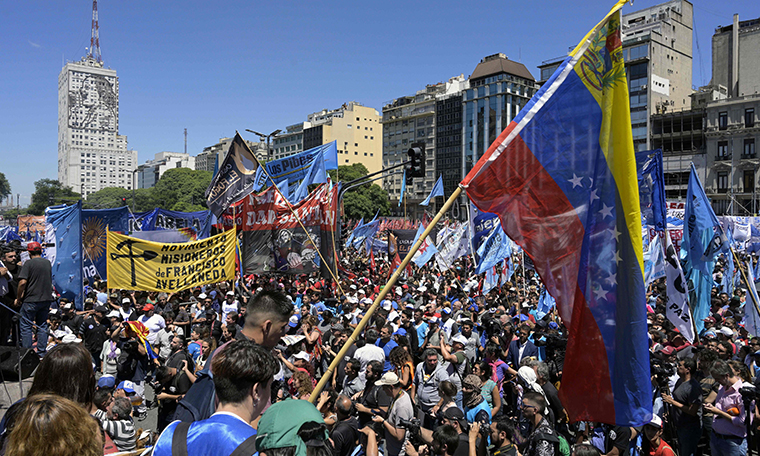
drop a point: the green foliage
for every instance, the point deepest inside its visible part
(363, 200)
(182, 185)
(5, 187)
(107, 198)
(50, 192)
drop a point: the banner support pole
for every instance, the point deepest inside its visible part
(388, 286)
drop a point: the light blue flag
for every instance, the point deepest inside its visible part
(545, 304)
(751, 316)
(494, 249)
(65, 226)
(490, 281)
(437, 191)
(426, 251)
(351, 236)
(297, 166)
(702, 235)
(403, 189)
(654, 261)
(366, 231)
(317, 175)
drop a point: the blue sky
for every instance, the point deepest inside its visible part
(214, 67)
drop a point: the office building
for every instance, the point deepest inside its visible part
(448, 133)
(290, 142)
(736, 57)
(206, 160)
(657, 49)
(92, 155)
(151, 171)
(355, 128)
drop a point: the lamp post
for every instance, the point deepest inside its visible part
(262, 136)
(134, 184)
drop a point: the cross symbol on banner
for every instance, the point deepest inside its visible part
(147, 255)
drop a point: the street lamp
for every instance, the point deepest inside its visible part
(267, 137)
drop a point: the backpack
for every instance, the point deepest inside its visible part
(561, 446)
(199, 402)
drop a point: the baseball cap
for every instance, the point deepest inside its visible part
(279, 425)
(230, 293)
(293, 321)
(667, 351)
(129, 387)
(126, 301)
(101, 309)
(106, 381)
(66, 306)
(202, 296)
(401, 332)
(459, 339)
(34, 247)
(726, 331)
(656, 421)
(148, 307)
(709, 320)
(302, 355)
(388, 378)
(454, 413)
(113, 314)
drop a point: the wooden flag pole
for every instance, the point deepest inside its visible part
(388, 286)
(744, 277)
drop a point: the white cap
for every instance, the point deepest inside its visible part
(362, 291)
(202, 296)
(126, 301)
(70, 339)
(230, 293)
(387, 305)
(353, 287)
(726, 331)
(59, 333)
(392, 316)
(656, 421)
(302, 355)
(113, 314)
(422, 289)
(460, 339)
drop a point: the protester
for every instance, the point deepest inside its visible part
(34, 296)
(401, 409)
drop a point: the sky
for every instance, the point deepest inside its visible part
(218, 67)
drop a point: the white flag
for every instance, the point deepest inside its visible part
(678, 311)
(751, 317)
(451, 247)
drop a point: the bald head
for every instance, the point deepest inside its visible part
(343, 405)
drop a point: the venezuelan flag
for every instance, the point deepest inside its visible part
(562, 178)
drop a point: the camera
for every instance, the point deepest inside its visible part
(412, 427)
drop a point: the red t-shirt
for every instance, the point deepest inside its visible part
(662, 450)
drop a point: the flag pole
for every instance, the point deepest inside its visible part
(744, 277)
(388, 286)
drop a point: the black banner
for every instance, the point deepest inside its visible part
(402, 241)
(235, 179)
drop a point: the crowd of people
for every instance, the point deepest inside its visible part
(439, 368)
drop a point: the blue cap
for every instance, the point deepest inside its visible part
(401, 332)
(127, 386)
(106, 381)
(446, 310)
(553, 325)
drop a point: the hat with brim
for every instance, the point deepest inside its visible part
(388, 378)
(279, 425)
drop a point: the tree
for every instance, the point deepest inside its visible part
(5, 187)
(50, 192)
(182, 185)
(108, 198)
(363, 200)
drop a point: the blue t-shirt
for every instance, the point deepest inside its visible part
(221, 433)
(472, 413)
(422, 331)
(387, 347)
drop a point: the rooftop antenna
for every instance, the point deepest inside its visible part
(94, 51)
(185, 141)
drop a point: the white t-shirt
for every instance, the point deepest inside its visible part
(154, 324)
(227, 308)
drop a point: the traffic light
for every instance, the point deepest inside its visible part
(417, 159)
(124, 201)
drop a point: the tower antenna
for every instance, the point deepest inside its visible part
(185, 141)
(95, 35)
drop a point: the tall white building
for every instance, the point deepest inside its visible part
(151, 171)
(91, 153)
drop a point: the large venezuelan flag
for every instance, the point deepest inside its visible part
(562, 178)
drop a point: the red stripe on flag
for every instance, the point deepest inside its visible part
(536, 214)
(586, 368)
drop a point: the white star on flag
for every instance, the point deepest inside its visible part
(600, 293)
(593, 195)
(606, 211)
(576, 181)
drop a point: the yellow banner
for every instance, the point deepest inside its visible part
(134, 264)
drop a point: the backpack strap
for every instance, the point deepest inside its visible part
(247, 448)
(179, 439)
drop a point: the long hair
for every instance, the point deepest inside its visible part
(51, 425)
(66, 371)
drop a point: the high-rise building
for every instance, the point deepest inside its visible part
(657, 44)
(290, 142)
(355, 128)
(92, 155)
(206, 160)
(736, 57)
(448, 133)
(151, 171)
(411, 120)
(499, 88)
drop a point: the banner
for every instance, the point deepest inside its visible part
(295, 167)
(63, 234)
(404, 240)
(134, 264)
(678, 311)
(30, 223)
(95, 224)
(452, 246)
(274, 241)
(196, 224)
(235, 179)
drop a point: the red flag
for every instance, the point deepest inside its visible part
(372, 259)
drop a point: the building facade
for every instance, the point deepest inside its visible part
(448, 133)
(290, 142)
(92, 155)
(355, 128)
(151, 171)
(657, 49)
(736, 57)
(206, 160)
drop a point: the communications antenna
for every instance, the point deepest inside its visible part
(95, 35)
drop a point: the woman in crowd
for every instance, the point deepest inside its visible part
(207, 347)
(489, 390)
(403, 366)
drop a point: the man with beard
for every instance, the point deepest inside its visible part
(8, 283)
(373, 400)
(445, 442)
(179, 354)
(340, 336)
(502, 434)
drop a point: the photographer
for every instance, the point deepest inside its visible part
(401, 409)
(453, 417)
(445, 442)
(502, 434)
(171, 385)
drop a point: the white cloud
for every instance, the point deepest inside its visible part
(34, 44)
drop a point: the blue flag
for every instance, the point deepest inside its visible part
(426, 251)
(65, 226)
(403, 189)
(494, 249)
(702, 236)
(351, 236)
(366, 231)
(297, 166)
(545, 304)
(317, 174)
(652, 189)
(437, 191)
(490, 281)
(95, 222)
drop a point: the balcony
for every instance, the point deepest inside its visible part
(722, 158)
(749, 156)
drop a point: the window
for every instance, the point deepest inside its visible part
(723, 181)
(723, 149)
(749, 117)
(723, 120)
(749, 148)
(348, 125)
(748, 180)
